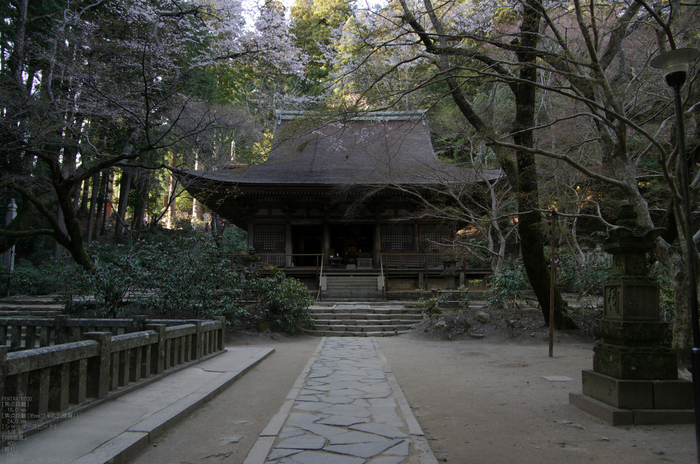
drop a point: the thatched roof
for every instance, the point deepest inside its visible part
(376, 149)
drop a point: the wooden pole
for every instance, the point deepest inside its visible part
(553, 273)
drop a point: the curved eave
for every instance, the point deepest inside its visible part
(236, 198)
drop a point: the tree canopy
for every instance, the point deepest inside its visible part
(91, 87)
(579, 104)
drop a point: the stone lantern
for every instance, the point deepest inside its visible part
(251, 259)
(635, 375)
(450, 271)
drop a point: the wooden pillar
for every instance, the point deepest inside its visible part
(288, 249)
(251, 234)
(416, 237)
(326, 243)
(377, 246)
(4, 349)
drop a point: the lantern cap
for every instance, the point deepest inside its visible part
(675, 60)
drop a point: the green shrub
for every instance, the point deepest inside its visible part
(583, 279)
(279, 301)
(433, 305)
(28, 279)
(184, 277)
(667, 300)
(117, 273)
(234, 240)
(509, 286)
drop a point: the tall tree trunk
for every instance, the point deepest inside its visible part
(172, 207)
(141, 210)
(217, 230)
(57, 247)
(172, 197)
(67, 231)
(197, 210)
(124, 187)
(84, 208)
(101, 202)
(108, 195)
(197, 207)
(524, 90)
(69, 202)
(529, 219)
(92, 212)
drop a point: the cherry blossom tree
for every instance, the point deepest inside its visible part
(89, 86)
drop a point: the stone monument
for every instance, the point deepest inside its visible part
(450, 271)
(635, 375)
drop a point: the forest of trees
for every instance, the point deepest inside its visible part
(101, 100)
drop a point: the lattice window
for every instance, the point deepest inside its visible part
(432, 236)
(274, 260)
(268, 238)
(397, 237)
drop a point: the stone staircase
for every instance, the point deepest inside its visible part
(362, 319)
(29, 306)
(352, 287)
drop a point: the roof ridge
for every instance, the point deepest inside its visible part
(286, 115)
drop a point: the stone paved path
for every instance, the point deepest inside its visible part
(345, 408)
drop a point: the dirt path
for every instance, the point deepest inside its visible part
(225, 429)
(479, 401)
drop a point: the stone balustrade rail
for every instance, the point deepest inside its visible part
(84, 361)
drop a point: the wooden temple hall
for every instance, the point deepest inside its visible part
(338, 200)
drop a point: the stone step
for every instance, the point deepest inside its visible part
(360, 319)
(30, 307)
(348, 288)
(368, 316)
(352, 276)
(360, 328)
(345, 286)
(351, 296)
(360, 310)
(364, 322)
(35, 313)
(329, 333)
(378, 317)
(341, 282)
(369, 285)
(27, 300)
(365, 278)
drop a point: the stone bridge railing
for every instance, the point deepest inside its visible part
(83, 361)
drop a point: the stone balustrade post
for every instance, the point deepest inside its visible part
(158, 352)
(15, 336)
(221, 339)
(99, 370)
(139, 323)
(62, 329)
(199, 341)
(3, 373)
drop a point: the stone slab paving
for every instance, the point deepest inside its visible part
(345, 408)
